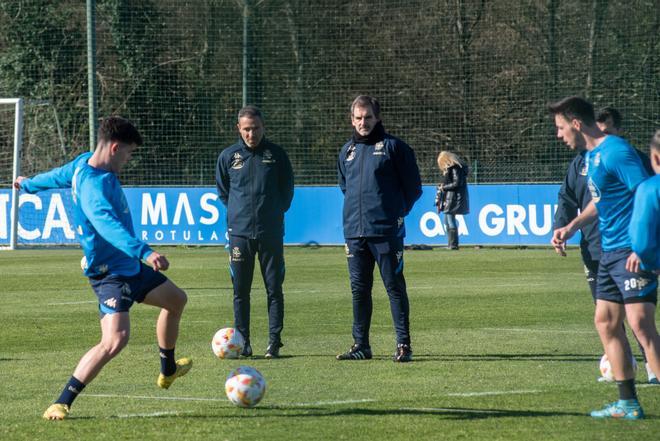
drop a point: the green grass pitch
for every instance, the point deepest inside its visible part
(503, 340)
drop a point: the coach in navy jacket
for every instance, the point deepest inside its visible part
(380, 180)
(255, 183)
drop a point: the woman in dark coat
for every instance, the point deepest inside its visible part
(452, 194)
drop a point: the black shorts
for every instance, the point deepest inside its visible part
(616, 284)
(118, 293)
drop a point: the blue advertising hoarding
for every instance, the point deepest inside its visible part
(499, 215)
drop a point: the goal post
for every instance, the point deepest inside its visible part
(16, 168)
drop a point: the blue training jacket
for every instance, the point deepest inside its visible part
(645, 223)
(381, 183)
(574, 196)
(103, 219)
(256, 186)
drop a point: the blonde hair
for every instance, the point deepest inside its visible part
(448, 159)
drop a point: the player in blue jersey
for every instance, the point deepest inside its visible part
(645, 223)
(614, 171)
(113, 259)
(574, 196)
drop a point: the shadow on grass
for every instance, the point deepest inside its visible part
(450, 413)
(422, 358)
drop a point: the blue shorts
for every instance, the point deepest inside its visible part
(616, 284)
(118, 293)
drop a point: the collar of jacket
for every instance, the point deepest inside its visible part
(376, 135)
(261, 145)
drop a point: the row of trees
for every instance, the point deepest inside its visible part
(467, 75)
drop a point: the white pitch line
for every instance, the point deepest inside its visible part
(72, 303)
(146, 397)
(489, 393)
(148, 415)
(550, 331)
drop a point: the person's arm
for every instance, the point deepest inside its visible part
(286, 181)
(341, 176)
(411, 182)
(454, 179)
(642, 229)
(567, 208)
(222, 180)
(96, 199)
(561, 235)
(59, 177)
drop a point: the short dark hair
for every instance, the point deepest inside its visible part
(366, 101)
(250, 111)
(655, 141)
(609, 112)
(574, 107)
(116, 128)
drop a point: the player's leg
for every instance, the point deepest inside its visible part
(389, 255)
(115, 331)
(163, 294)
(641, 317)
(361, 274)
(271, 261)
(241, 262)
(609, 316)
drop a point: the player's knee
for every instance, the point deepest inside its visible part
(114, 345)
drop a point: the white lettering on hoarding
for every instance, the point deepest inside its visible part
(492, 222)
(157, 213)
(183, 205)
(57, 206)
(209, 208)
(437, 228)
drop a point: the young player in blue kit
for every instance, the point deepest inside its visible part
(645, 222)
(574, 196)
(614, 171)
(112, 259)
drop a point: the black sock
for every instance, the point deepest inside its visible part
(167, 362)
(71, 391)
(627, 389)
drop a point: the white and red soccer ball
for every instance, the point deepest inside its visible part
(245, 386)
(227, 343)
(606, 368)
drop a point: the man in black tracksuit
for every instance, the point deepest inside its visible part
(380, 180)
(255, 183)
(574, 196)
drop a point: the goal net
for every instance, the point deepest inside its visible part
(30, 143)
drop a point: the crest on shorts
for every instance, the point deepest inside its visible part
(237, 161)
(350, 153)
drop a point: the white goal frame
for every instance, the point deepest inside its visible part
(18, 144)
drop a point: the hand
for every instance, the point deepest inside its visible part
(158, 262)
(18, 182)
(558, 243)
(633, 263)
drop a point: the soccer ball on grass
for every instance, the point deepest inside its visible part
(245, 386)
(606, 368)
(227, 343)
